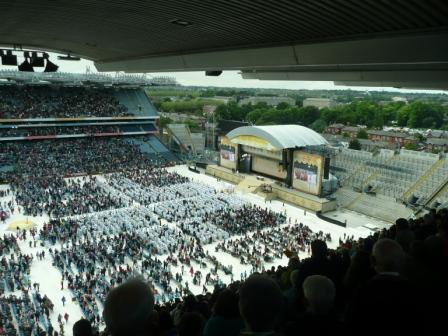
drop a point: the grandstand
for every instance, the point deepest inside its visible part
(345, 162)
(388, 184)
(72, 106)
(87, 79)
(136, 101)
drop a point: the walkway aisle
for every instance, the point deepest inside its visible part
(49, 278)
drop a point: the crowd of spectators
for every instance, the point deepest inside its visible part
(256, 247)
(58, 102)
(52, 130)
(39, 180)
(393, 283)
(25, 306)
(102, 249)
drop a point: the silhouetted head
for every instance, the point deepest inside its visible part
(82, 328)
(191, 324)
(319, 248)
(227, 304)
(387, 256)
(128, 308)
(261, 303)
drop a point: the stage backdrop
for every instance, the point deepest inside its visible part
(228, 154)
(268, 167)
(307, 172)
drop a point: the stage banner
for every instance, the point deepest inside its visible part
(307, 172)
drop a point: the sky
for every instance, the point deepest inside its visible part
(226, 79)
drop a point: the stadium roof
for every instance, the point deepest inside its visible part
(12, 76)
(348, 41)
(279, 136)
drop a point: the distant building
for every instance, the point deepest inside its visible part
(437, 144)
(393, 137)
(337, 140)
(320, 103)
(272, 101)
(436, 134)
(369, 145)
(335, 128)
(352, 131)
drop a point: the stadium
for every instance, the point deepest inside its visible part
(111, 225)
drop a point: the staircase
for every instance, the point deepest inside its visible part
(380, 206)
(422, 179)
(182, 134)
(440, 191)
(356, 199)
(370, 178)
(251, 184)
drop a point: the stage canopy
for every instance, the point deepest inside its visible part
(276, 137)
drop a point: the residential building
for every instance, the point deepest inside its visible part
(387, 136)
(437, 144)
(335, 128)
(352, 131)
(369, 145)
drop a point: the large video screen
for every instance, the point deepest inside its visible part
(307, 172)
(228, 156)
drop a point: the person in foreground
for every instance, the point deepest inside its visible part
(129, 309)
(261, 304)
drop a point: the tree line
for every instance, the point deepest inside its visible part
(190, 106)
(416, 114)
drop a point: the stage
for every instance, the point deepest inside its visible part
(251, 184)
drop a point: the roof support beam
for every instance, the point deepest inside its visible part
(424, 48)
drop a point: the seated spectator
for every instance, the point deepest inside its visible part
(388, 298)
(128, 309)
(318, 319)
(292, 294)
(404, 235)
(319, 293)
(293, 264)
(166, 325)
(261, 305)
(191, 324)
(318, 263)
(359, 272)
(226, 319)
(82, 328)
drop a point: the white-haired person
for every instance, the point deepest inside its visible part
(319, 294)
